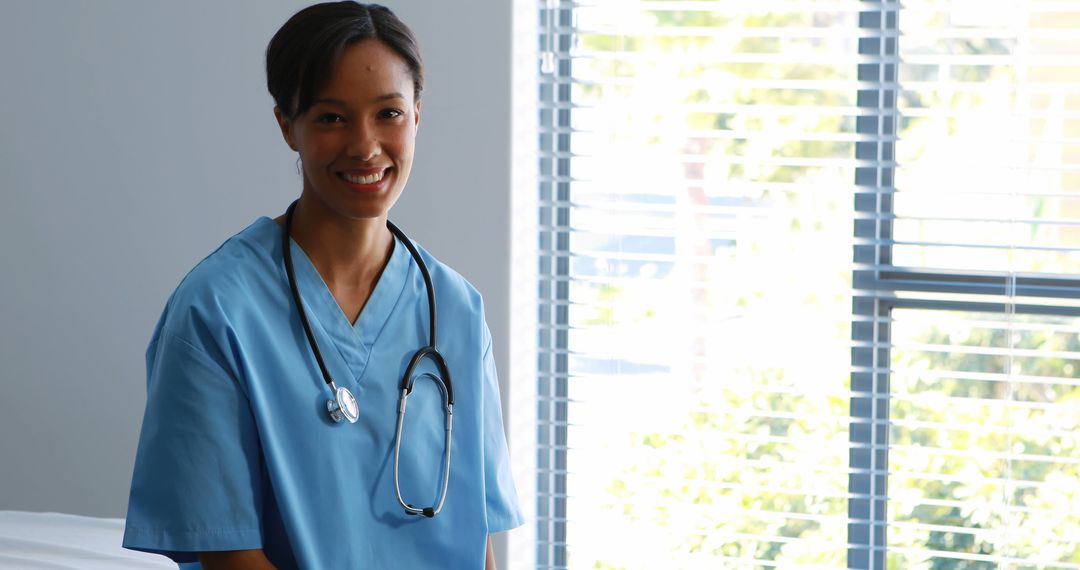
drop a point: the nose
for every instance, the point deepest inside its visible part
(363, 142)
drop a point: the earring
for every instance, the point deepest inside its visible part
(299, 168)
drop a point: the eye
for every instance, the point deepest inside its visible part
(329, 118)
(391, 113)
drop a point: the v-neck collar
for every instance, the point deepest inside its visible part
(353, 341)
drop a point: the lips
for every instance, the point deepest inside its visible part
(367, 179)
(357, 178)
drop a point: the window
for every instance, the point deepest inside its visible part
(965, 328)
(807, 291)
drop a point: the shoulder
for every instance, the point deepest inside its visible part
(450, 284)
(458, 300)
(226, 283)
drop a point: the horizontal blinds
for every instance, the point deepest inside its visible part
(977, 250)
(696, 258)
(808, 286)
(1016, 141)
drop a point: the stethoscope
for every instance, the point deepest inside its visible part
(343, 406)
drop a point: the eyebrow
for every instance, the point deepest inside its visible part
(340, 103)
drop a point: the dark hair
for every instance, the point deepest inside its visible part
(303, 53)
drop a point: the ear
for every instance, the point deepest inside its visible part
(416, 115)
(286, 128)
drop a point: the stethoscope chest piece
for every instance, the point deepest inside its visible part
(343, 406)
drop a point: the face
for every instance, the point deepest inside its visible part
(356, 142)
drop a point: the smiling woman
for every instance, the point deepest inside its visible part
(356, 141)
(351, 110)
(244, 460)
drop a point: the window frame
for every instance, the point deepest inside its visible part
(554, 180)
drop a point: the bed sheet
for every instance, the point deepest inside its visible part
(55, 541)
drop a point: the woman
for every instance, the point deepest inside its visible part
(249, 457)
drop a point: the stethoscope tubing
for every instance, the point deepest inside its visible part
(427, 279)
(286, 250)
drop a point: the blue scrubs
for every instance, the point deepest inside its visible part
(237, 450)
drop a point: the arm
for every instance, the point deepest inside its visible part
(490, 564)
(244, 560)
(196, 486)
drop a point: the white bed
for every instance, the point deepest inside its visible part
(52, 541)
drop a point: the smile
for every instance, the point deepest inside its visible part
(364, 178)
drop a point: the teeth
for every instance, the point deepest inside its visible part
(369, 179)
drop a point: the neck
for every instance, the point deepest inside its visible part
(349, 254)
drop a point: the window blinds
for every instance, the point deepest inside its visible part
(696, 249)
(966, 321)
(807, 284)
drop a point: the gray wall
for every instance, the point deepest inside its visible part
(139, 135)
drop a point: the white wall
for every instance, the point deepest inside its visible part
(137, 136)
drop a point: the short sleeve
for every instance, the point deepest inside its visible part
(197, 484)
(503, 511)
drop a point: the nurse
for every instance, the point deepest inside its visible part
(239, 463)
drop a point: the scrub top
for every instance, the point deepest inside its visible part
(237, 450)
